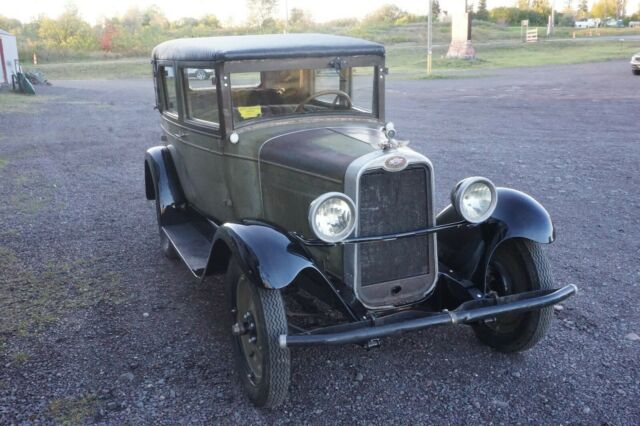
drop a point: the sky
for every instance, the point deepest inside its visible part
(230, 11)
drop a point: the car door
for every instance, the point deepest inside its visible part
(199, 142)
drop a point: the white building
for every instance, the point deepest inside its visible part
(8, 56)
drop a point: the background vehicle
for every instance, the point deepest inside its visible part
(589, 23)
(284, 176)
(199, 73)
(635, 64)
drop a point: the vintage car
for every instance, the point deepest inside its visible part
(635, 64)
(280, 172)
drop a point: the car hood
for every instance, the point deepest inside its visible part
(324, 152)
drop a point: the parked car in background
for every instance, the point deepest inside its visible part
(614, 23)
(284, 176)
(635, 64)
(200, 73)
(634, 24)
(589, 23)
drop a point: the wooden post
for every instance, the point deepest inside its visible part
(429, 37)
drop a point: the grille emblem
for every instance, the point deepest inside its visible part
(395, 163)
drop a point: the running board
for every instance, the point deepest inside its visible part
(192, 240)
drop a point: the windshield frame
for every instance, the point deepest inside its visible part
(228, 68)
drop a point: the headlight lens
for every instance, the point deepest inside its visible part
(332, 217)
(475, 199)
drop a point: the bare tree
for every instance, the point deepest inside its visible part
(261, 12)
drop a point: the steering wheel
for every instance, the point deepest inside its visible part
(338, 93)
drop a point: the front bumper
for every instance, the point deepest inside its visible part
(635, 65)
(468, 312)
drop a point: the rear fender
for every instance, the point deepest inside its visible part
(161, 181)
(467, 250)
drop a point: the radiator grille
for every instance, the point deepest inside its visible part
(392, 202)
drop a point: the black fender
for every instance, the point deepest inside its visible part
(268, 256)
(161, 180)
(467, 250)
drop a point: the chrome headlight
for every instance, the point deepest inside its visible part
(332, 217)
(475, 199)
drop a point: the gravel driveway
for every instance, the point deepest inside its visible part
(97, 326)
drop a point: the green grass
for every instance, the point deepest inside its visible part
(32, 297)
(73, 411)
(18, 102)
(96, 70)
(497, 47)
(411, 61)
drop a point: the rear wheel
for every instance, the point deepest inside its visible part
(517, 266)
(636, 72)
(201, 74)
(258, 319)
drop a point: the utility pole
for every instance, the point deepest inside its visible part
(429, 37)
(286, 16)
(553, 17)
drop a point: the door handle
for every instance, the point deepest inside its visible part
(181, 135)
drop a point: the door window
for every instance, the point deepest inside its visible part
(201, 98)
(170, 97)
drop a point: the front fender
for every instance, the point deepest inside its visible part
(268, 257)
(467, 250)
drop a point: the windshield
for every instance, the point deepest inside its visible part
(268, 94)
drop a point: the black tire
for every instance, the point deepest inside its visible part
(201, 74)
(517, 266)
(635, 72)
(165, 244)
(264, 366)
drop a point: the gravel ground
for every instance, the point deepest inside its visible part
(97, 326)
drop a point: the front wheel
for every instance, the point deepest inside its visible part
(258, 319)
(516, 266)
(635, 72)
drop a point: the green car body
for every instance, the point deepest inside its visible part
(278, 169)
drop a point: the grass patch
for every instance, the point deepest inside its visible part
(18, 102)
(21, 357)
(98, 70)
(498, 47)
(73, 411)
(32, 299)
(29, 195)
(411, 61)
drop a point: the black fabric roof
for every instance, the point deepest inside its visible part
(271, 46)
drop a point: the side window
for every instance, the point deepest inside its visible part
(170, 98)
(201, 98)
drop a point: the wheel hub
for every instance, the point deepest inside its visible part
(245, 330)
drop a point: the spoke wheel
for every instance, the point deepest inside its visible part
(517, 266)
(201, 74)
(257, 320)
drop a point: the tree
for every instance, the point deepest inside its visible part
(568, 6)
(261, 12)
(523, 4)
(583, 6)
(386, 14)
(482, 13)
(299, 19)
(9, 24)
(436, 9)
(541, 6)
(621, 8)
(69, 31)
(608, 8)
